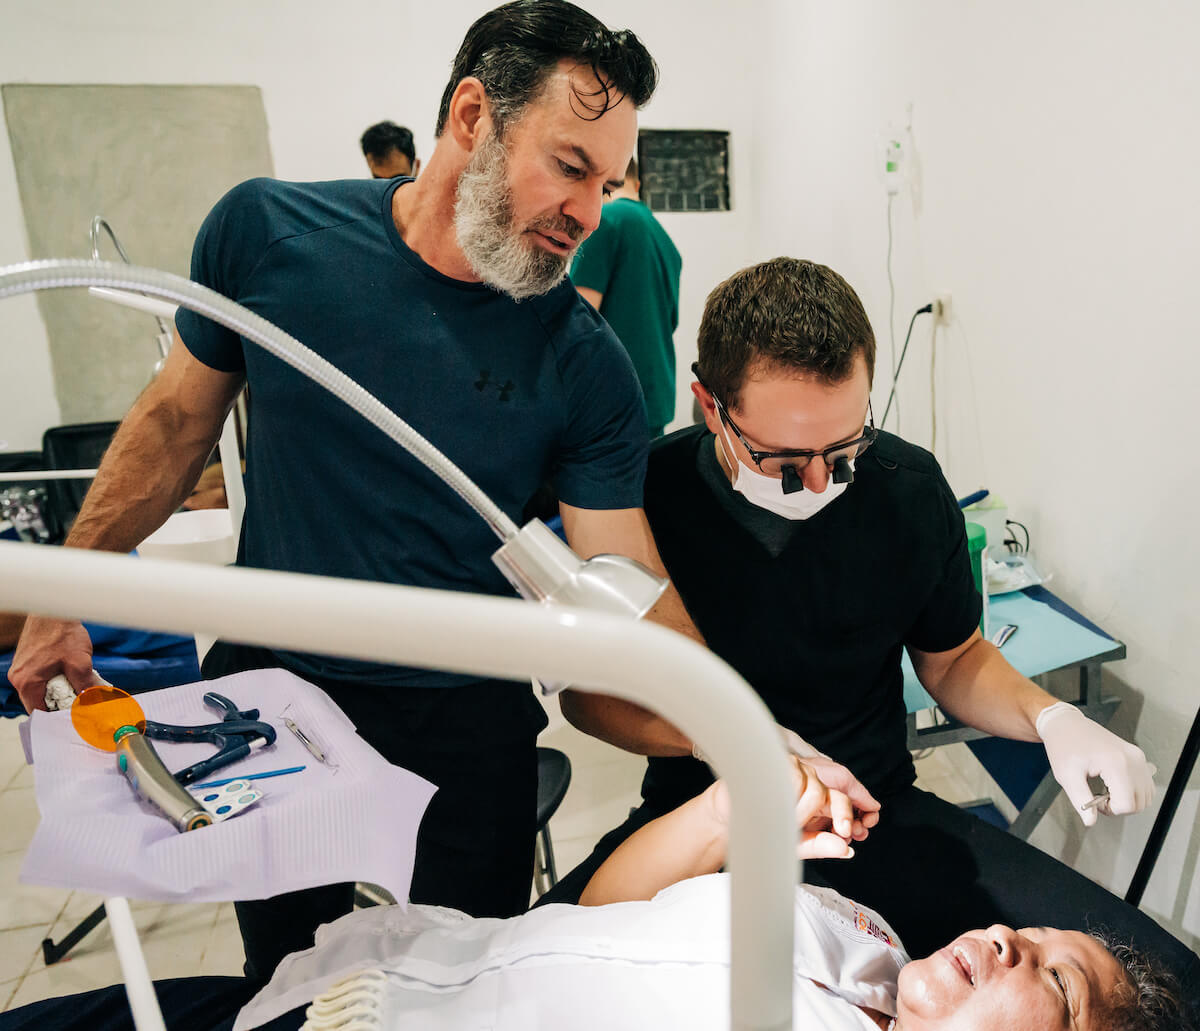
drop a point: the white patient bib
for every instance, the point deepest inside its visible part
(663, 963)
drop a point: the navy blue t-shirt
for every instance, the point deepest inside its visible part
(514, 394)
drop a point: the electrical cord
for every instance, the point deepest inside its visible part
(900, 365)
(1011, 542)
(892, 309)
(932, 389)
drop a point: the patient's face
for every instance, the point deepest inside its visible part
(1000, 979)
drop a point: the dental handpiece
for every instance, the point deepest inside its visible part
(151, 780)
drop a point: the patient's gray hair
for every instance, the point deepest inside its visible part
(1148, 999)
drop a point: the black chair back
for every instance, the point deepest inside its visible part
(19, 462)
(554, 777)
(77, 446)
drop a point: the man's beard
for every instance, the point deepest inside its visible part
(488, 236)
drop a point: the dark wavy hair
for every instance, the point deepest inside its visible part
(785, 313)
(513, 49)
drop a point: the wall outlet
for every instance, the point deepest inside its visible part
(942, 311)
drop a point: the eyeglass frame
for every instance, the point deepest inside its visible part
(869, 436)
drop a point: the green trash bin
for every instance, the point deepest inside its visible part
(977, 549)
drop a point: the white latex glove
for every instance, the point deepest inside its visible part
(1078, 748)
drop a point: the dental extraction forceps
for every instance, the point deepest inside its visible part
(235, 736)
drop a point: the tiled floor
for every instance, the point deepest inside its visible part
(179, 940)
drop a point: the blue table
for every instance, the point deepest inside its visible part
(1051, 636)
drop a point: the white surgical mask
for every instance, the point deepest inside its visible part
(767, 492)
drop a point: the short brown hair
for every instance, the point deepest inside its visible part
(788, 313)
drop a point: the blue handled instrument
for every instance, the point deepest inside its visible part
(235, 736)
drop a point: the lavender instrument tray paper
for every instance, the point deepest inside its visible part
(353, 820)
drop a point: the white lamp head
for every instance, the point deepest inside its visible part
(543, 568)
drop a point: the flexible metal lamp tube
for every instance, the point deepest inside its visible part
(540, 566)
(55, 274)
(487, 637)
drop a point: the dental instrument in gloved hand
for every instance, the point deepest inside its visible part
(1078, 748)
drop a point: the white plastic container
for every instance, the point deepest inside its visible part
(206, 536)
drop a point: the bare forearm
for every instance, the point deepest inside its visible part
(147, 472)
(670, 612)
(687, 842)
(628, 725)
(982, 690)
(623, 724)
(10, 628)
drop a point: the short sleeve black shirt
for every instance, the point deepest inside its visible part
(817, 621)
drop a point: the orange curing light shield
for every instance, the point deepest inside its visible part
(99, 713)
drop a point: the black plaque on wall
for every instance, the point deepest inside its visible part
(684, 169)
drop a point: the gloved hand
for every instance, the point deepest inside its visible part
(1078, 748)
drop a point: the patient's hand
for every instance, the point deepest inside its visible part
(835, 775)
(820, 811)
(863, 811)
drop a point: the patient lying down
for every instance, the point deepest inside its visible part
(649, 947)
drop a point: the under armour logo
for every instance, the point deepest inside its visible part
(485, 381)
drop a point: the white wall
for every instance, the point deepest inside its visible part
(327, 71)
(1056, 202)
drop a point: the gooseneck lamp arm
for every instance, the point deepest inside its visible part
(55, 274)
(537, 563)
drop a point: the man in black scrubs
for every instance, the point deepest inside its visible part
(812, 550)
